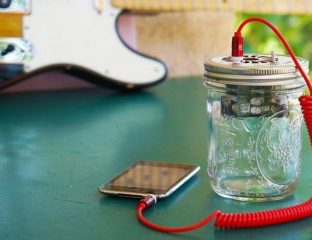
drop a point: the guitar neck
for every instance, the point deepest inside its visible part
(257, 6)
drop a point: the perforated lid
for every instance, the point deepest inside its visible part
(254, 70)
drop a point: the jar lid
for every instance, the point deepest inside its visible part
(254, 70)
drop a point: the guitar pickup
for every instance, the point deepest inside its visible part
(15, 6)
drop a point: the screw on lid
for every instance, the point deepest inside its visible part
(255, 69)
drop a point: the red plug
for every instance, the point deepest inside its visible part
(237, 47)
(148, 201)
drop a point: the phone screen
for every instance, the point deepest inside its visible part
(147, 177)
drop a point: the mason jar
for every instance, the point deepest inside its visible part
(254, 126)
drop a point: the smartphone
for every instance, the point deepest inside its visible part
(149, 177)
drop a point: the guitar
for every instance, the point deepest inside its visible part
(80, 37)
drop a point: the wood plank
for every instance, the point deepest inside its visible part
(255, 6)
(11, 25)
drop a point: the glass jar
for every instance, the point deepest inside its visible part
(254, 126)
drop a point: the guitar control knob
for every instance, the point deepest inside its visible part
(9, 48)
(15, 50)
(5, 3)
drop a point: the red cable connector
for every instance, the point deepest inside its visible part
(237, 47)
(147, 202)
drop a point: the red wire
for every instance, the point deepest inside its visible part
(174, 229)
(285, 43)
(305, 101)
(239, 220)
(256, 219)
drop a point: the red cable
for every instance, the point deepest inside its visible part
(238, 220)
(255, 219)
(305, 101)
(174, 229)
(283, 40)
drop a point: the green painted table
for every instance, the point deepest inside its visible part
(57, 148)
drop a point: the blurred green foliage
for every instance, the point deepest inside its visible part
(297, 29)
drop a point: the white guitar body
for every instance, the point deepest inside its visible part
(76, 35)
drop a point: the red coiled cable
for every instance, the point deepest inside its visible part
(237, 220)
(305, 101)
(306, 106)
(252, 219)
(264, 218)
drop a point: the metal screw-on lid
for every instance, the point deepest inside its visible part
(254, 70)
